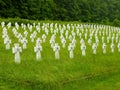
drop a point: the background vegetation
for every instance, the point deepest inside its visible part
(96, 11)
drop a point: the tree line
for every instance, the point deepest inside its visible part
(103, 11)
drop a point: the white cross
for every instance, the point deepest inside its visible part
(94, 47)
(4, 30)
(38, 41)
(38, 49)
(70, 49)
(82, 41)
(16, 50)
(52, 43)
(24, 42)
(66, 34)
(30, 28)
(9, 25)
(32, 37)
(73, 42)
(83, 48)
(38, 28)
(63, 41)
(89, 41)
(56, 50)
(25, 33)
(44, 37)
(2, 24)
(104, 48)
(19, 37)
(7, 42)
(5, 36)
(16, 25)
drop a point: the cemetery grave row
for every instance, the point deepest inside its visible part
(86, 35)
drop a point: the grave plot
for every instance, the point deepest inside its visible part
(54, 37)
(59, 56)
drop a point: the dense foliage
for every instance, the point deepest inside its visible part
(104, 11)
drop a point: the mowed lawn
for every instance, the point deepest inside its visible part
(90, 72)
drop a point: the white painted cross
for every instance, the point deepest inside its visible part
(56, 50)
(63, 41)
(97, 40)
(24, 42)
(104, 48)
(16, 50)
(52, 43)
(82, 41)
(7, 42)
(38, 49)
(32, 37)
(89, 41)
(2, 24)
(38, 41)
(25, 33)
(9, 25)
(83, 48)
(70, 49)
(44, 37)
(94, 47)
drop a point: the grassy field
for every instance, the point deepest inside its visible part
(90, 72)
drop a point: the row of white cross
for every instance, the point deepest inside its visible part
(90, 34)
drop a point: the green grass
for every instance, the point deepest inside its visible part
(92, 72)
